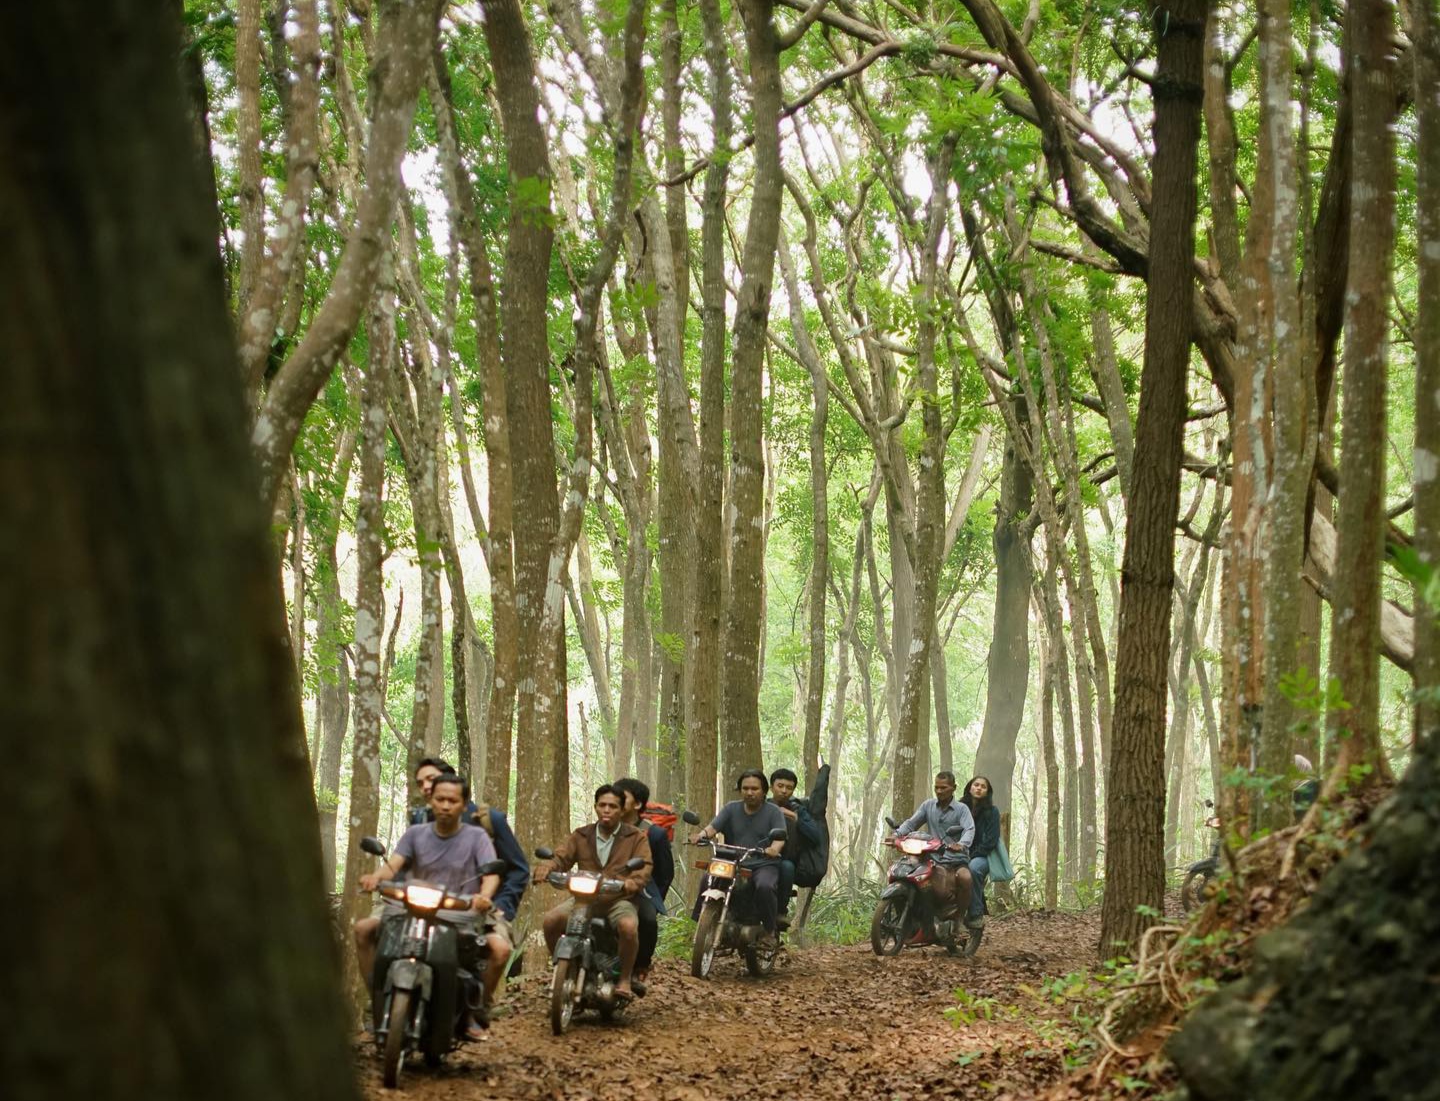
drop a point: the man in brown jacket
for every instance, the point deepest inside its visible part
(604, 846)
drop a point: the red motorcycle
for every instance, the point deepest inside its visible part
(906, 915)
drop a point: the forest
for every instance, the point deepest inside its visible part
(1045, 391)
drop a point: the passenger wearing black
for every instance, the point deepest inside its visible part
(747, 822)
(800, 829)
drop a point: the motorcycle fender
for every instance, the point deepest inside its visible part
(410, 975)
(895, 890)
(569, 948)
(713, 895)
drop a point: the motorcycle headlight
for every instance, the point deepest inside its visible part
(723, 868)
(584, 884)
(424, 897)
(913, 845)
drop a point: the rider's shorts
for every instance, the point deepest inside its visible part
(620, 908)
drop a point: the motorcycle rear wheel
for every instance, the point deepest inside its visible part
(760, 961)
(887, 933)
(394, 1052)
(562, 996)
(1193, 892)
(707, 932)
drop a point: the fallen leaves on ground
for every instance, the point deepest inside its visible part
(832, 1024)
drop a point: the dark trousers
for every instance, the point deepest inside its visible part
(764, 882)
(649, 930)
(787, 884)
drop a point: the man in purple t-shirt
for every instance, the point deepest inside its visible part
(448, 853)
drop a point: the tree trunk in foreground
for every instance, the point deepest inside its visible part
(1341, 1002)
(1135, 787)
(145, 659)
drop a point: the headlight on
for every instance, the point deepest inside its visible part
(423, 897)
(584, 885)
(724, 868)
(913, 845)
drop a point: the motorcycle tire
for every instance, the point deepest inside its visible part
(393, 1056)
(1193, 893)
(563, 996)
(707, 933)
(760, 961)
(887, 934)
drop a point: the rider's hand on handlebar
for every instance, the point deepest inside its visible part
(481, 904)
(774, 848)
(696, 838)
(369, 882)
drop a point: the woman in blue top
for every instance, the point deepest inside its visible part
(978, 797)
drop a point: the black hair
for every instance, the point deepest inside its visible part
(452, 777)
(784, 774)
(638, 788)
(983, 804)
(946, 774)
(434, 762)
(609, 789)
(755, 772)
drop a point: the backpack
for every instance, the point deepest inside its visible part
(662, 815)
(813, 861)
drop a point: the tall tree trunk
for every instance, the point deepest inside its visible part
(741, 715)
(1048, 676)
(703, 746)
(1135, 786)
(144, 625)
(1355, 630)
(1008, 661)
(1425, 34)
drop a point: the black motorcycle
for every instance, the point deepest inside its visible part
(1197, 886)
(729, 920)
(427, 979)
(906, 915)
(587, 956)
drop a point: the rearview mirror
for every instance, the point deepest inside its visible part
(955, 832)
(894, 825)
(691, 817)
(494, 867)
(777, 834)
(634, 864)
(545, 854)
(372, 845)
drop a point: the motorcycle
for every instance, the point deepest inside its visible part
(1196, 888)
(427, 978)
(587, 956)
(729, 922)
(905, 916)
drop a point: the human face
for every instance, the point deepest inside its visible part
(607, 812)
(781, 790)
(979, 788)
(425, 777)
(753, 792)
(944, 789)
(630, 809)
(447, 801)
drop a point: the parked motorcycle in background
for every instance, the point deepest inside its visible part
(427, 979)
(587, 957)
(729, 921)
(907, 913)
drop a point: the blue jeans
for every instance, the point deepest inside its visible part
(979, 872)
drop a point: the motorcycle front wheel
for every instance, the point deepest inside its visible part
(1194, 891)
(707, 933)
(563, 995)
(394, 1052)
(887, 927)
(760, 961)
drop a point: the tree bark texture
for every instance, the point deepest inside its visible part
(741, 714)
(1135, 788)
(145, 659)
(1355, 632)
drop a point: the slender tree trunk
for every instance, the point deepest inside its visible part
(741, 716)
(1425, 34)
(1135, 787)
(145, 662)
(1052, 776)
(1355, 631)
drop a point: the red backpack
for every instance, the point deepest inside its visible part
(662, 815)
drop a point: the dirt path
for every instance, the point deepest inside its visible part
(831, 1024)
